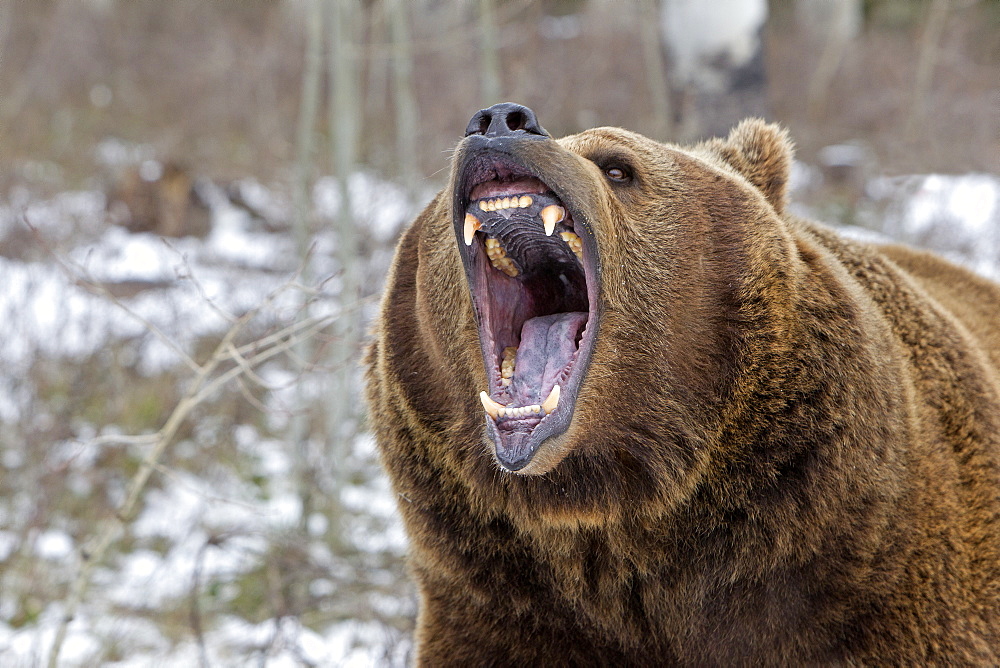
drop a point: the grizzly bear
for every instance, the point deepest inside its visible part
(637, 413)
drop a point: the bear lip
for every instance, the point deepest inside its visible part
(537, 294)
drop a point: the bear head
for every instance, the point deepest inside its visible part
(594, 311)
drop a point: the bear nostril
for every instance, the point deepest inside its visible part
(515, 121)
(505, 119)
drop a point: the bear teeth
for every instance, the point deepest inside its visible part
(500, 203)
(507, 366)
(497, 410)
(574, 243)
(551, 215)
(471, 225)
(498, 256)
(551, 401)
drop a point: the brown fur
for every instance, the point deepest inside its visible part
(785, 450)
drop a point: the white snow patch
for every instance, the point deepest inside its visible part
(734, 36)
(956, 216)
(8, 544)
(53, 544)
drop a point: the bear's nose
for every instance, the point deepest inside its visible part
(506, 118)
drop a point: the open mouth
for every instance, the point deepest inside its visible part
(533, 284)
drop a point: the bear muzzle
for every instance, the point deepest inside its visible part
(533, 280)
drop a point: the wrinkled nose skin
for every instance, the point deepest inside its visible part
(506, 119)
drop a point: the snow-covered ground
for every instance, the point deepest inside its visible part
(221, 522)
(205, 529)
(957, 216)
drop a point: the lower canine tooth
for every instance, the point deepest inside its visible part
(551, 401)
(492, 407)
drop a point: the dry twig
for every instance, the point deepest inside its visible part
(206, 382)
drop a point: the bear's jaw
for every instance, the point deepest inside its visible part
(533, 288)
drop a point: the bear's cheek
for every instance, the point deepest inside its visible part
(443, 363)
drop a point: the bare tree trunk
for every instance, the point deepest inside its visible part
(378, 58)
(489, 78)
(839, 20)
(404, 96)
(301, 426)
(656, 71)
(5, 19)
(344, 126)
(929, 49)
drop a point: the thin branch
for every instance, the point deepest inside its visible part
(202, 386)
(195, 612)
(189, 275)
(261, 357)
(124, 439)
(250, 398)
(245, 366)
(179, 480)
(82, 276)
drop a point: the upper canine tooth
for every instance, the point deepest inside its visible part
(494, 408)
(471, 225)
(551, 401)
(551, 215)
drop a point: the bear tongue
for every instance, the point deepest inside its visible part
(548, 344)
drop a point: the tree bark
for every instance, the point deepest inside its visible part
(656, 71)
(344, 127)
(404, 96)
(489, 72)
(927, 60)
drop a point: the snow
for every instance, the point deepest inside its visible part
(214, 527)
(956, 215)
(207, 528)
(53, 544)
(733, 39)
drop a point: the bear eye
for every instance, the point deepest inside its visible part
(617, 173)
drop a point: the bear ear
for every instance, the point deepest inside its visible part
(761, 152)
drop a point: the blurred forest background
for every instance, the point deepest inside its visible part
(198, 202)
